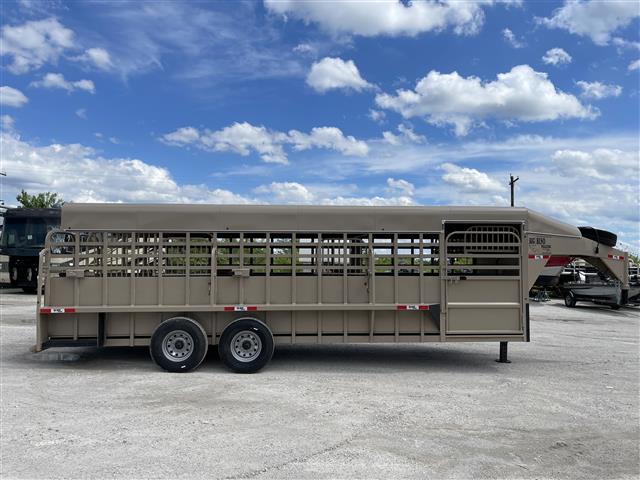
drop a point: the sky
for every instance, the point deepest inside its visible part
(356, 103)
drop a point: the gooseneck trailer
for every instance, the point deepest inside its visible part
(181, 278)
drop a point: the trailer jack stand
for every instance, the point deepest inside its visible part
(503, 353)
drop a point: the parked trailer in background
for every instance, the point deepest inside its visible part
(180, 278)
(23, 234)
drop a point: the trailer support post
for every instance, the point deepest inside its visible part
(503, 353)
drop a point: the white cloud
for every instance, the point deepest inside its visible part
(286, 192)
(335, 73)
(635, 65)
(34, 43)
(597, 90)
(243, 138)
(595, 19)
(623, 43)
(96, 57)
(521, 94)
(57, 80)
(305, 49)
(182, 136)
(81, 113)
(80, 174)
(328, 137)
(369, 201)
(400, 186)
(377, 116)
(556, 56)
(511, 39)
(12, 97)
(6, 122)
(206, 46)
(601, 163)
(406, 135)
(391, 18)
(407, 132)
(297, 193)
(240, 138)
(469, 179)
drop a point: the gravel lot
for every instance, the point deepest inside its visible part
(567, 407)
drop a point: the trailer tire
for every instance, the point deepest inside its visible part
(569, 300)
(615, 306)
(246, 345)
(601, 236)
(178, 344)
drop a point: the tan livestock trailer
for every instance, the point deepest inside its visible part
(179, 278)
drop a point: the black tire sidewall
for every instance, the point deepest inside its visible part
(199, 349)
(569, 301)
(601, 236)
(224, 347)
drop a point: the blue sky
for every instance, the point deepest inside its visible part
(326, 102)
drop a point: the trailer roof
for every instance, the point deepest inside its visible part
(284, 218)
(31, 212)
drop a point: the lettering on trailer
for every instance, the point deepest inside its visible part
(537, 241)
(616, 257)
(413, 307)
(57, 310)
(240, 308)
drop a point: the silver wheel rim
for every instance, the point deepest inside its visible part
(177, 345)
(246, 346)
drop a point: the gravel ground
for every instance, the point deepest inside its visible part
(567, 407)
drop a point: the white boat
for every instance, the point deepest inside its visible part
(590, 287)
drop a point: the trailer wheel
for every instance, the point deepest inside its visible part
(246, 345)
(569, 300)
(178, 344)
(615, 306)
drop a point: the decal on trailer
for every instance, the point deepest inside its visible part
(413, 307)
(240, 308)
(57, 310)
(616, 257)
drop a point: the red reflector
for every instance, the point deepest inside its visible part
(69, 310)
(228, 309)
(252, 309)
(402, 307)
(45, 310)
(424, 307)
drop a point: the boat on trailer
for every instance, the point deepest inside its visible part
(597, 288)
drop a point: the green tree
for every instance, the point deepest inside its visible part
(39, 200)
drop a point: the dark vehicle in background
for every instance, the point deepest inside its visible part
(23, 234)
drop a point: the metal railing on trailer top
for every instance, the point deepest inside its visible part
(241, 254)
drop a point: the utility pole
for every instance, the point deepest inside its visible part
(512, 184)
(4, 175)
